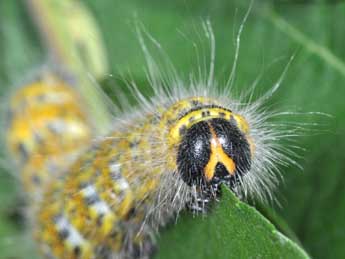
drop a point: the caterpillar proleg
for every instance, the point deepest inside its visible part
(172, 152)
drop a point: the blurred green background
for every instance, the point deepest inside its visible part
(312, 200)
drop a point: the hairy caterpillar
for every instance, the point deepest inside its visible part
(46, 130)
(174, 151)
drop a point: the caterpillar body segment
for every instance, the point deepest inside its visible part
(105, 197)
(47, 128)
(110, 202)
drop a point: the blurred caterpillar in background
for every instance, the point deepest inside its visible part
(47, 128)
(172, 152)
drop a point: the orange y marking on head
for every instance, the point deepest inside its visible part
(217, 156)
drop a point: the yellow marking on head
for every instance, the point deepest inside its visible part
(217, 156)
(194, 117)
(243, 126)
(242, 123)
(173, 113)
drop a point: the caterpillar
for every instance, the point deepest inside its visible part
(46, 129)
(173, 152)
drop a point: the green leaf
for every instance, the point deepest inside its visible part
(232, 230)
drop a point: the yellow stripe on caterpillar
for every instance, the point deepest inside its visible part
(194, 117)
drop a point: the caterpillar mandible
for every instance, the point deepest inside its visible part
(173, 152)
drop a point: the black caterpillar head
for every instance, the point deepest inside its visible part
(213, 152)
